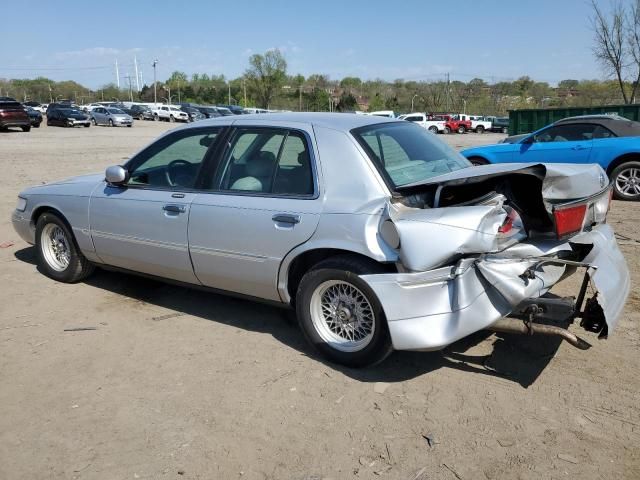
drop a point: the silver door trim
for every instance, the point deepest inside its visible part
(140, 241)
(227, 253)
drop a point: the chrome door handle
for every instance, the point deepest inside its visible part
(286, 218)
(174, 208)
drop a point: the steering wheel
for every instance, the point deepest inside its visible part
(174, 168)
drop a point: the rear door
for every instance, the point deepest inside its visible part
(565, 143)
(263, 201)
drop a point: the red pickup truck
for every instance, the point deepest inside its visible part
(454, 124)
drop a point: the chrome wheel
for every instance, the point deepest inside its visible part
(342, 316)
(55, 247)
(628, 182)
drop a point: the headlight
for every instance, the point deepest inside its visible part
(22, 204)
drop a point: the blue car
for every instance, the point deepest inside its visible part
(611, 141)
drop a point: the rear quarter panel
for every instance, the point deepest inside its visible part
(606, 150)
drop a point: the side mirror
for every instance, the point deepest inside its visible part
(116, 175)
(528, 140)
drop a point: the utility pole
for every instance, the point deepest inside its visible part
(178, 91)
(448, 92)
(300, 98)
(244, 87)
(117, 75)
(135, 64)
(155, 87)
(229, 92)
(128, 77)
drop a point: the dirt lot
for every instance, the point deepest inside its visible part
(182, 384)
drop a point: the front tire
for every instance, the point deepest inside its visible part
(461, 129)
(447, 130)
(58, 255)
(433, 129)
(479, 129)
(26, 129)
(172, 119)
(110, 123)
(340, 315)
(626, 181)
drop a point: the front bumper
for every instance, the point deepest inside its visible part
(430, 310)
(23, 226)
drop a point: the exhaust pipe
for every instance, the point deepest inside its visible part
(506, 325)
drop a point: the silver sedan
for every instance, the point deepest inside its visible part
(372, 230)
(113, 117)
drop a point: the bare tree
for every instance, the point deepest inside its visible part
(633, 44)
(610, 36)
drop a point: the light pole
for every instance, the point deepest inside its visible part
(412, 99)
(229, 93)
(155, 87)
(464, 108)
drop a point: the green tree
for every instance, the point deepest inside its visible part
(266, 75)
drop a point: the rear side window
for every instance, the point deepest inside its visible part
(566, 133)
(267, 161)
(602, 132)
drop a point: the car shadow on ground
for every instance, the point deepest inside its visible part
(514, 358)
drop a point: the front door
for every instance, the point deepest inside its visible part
(142, 225)
(263, 202)
(570, 143)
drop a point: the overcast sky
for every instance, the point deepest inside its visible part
(549, 40)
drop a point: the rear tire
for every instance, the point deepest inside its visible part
(26, 129)
(479, 129)
(339, 314)
(433, 129)
(461, 129)
(626, 181)
(58, 254)
(155, 117)
(447, 130)
(505, 130)
(94, 122)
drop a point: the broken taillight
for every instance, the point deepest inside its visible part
(569, 219)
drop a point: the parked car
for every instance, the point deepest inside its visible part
(194, 113)
(141, 112)
(224, 111)
(12, 114)
(89, 107)
(169, 113)
(479, 124)
(384, 113)
(209, 112)
(454, 124)
(611, 141)
(425, 121)
(259, 110)
(113, 117)
(35, 116)
(399, 244)
(37, 106)
(235, 109)
(122, 107)
(55, 105)
(67, 117)
(500, 124)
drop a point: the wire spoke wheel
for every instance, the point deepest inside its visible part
(342, 315)
(55, 247)
(628, 181)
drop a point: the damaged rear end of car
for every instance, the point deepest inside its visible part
(480, 248)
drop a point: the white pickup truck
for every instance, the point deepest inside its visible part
(479, 124)
(422, 119)
(169, 113)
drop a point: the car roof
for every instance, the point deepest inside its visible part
(336, 121)
(622, 127)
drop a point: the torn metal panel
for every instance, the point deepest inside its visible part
(430, 310)
(430, 237)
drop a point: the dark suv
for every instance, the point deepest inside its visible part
(13, 114)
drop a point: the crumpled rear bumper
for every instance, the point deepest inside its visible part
(430, 310)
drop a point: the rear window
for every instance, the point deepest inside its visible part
(405, 153)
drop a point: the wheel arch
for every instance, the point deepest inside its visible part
(305, 260)
(627, 157)
(479, 158)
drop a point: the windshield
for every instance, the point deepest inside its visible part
(115, 111)
(406, 153)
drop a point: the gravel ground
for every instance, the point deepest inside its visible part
(176, 383)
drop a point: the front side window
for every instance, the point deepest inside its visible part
(405, 153)
(271, 161)
(173, 161)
